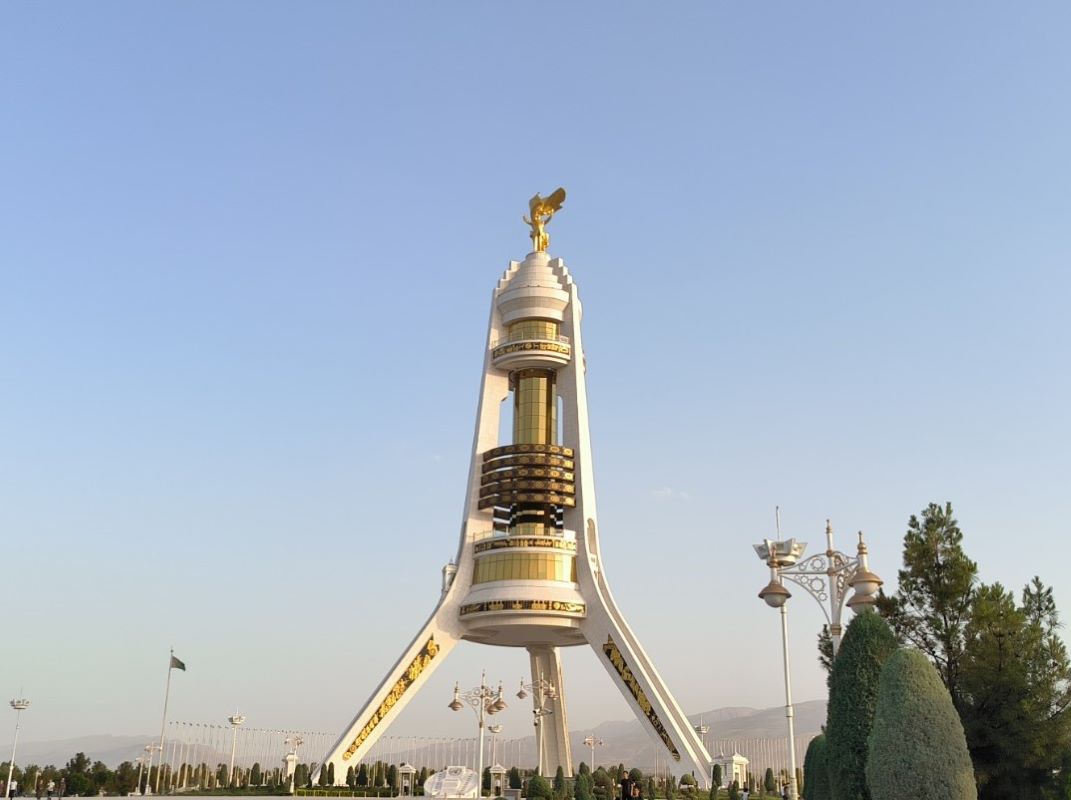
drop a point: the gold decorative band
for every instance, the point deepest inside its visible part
(530, 460)
(535, 484)
(618, 661)
(541, 606)
(506, 498)
(513, 449)
(545, 347)
(412, 672)
(528, 472)
(508, 542)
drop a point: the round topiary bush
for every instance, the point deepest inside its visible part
(917, 748)
(816, 770)
(853, 693)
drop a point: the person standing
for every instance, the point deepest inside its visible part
(626, 785)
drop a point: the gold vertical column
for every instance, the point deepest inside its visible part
(535, 421)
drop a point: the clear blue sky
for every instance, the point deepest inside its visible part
(247, 251)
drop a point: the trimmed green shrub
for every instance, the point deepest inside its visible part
(538, 787)
(815, 769)
(582, 788)
(853, 693)
(917, 745)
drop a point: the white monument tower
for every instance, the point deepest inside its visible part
(528, 572)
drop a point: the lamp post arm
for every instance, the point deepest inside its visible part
(826, 578)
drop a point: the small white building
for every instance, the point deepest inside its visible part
(406, 780)
(733, 768)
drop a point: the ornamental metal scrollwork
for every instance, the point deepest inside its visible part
(618, 662)
(412, 672)
(814, 572)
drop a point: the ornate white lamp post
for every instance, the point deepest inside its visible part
(20, 705)
(142, 761)
(290, 760)
(141, 764)
(495, 730)
(778, 555)
(829, 576)
(544, 690)
(841, 572)
(592, 742)
(484, 701)
(235, 720)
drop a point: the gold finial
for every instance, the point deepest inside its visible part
(541, 209)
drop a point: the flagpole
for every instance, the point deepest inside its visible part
(163, 724)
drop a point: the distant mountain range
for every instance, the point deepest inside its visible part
(623, 741)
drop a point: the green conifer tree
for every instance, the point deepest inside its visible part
(815, 768)
(539, 788)
(769, 782)
(917, 748)
(853, 689)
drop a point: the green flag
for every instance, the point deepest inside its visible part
(176, 664)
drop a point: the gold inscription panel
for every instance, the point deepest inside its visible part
(547, 606)
(509, 542)
(542, 347)
(618, 661)
(412, 672)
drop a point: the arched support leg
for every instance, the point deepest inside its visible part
(619, 651)
(423, 656)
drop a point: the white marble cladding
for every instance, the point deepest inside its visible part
(536, 288)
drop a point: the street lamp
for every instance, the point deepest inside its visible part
(291, 758)
(235, 720)
(777, 555)
(593, 742)
(544, 690)
(484, 701)
(20, 705)
(150, 748)
(495, 730)
(829, 576)
(141, 764)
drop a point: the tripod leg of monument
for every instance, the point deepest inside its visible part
(553, 727)
(424, 654)
(620, 652)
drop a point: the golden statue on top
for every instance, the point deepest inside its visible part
(541, 209)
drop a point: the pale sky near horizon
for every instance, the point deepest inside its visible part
(247, 251)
